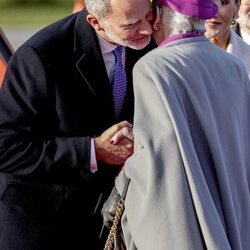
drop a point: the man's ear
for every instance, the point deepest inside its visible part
(93, 21)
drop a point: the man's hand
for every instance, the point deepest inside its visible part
(126, 132)
(111, 149)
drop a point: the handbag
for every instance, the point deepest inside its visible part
(115, 239)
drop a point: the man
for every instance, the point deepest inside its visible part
(189, 174)
(242, 26)
(57, 117)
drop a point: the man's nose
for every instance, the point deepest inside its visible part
(146, 28)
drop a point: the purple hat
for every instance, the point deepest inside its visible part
(203, 9)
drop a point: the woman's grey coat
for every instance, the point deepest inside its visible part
(190, 172)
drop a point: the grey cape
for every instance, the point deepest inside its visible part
(190, 172)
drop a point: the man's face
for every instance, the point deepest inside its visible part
(129, 24)
(244, 15)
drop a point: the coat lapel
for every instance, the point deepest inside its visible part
(90, 64)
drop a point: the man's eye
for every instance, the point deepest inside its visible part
(126, 26)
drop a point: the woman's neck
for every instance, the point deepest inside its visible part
(221, 41)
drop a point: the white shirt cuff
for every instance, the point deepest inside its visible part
(93, 163)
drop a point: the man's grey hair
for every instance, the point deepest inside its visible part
(178, 23)
(99, 8)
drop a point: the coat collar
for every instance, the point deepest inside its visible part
(88, 53)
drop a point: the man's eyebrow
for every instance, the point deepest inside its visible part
(133, 20)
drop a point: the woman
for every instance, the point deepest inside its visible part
(189, 174)
(220, 33)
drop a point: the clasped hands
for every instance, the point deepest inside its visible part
(116, 144)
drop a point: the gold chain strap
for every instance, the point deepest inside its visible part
(112, 232)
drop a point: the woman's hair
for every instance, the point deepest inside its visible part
(99, 8)
(177, 23)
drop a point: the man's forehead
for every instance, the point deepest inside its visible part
(135, 17)
(130, 11)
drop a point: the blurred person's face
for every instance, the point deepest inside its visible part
(244, 15)
(218, 27)
(128, 24)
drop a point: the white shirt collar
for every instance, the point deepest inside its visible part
(245, 36)
(106, 47)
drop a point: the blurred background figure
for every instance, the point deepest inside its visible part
(78, 5)
(242, 27)
(219, 31)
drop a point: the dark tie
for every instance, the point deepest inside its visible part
(119, 82)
